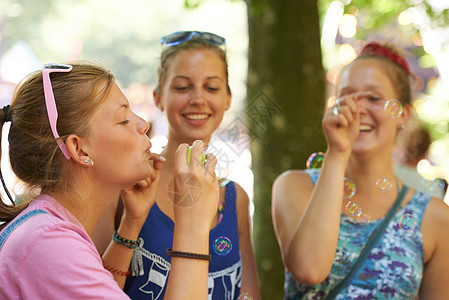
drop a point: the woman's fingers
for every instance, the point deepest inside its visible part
(158, 160)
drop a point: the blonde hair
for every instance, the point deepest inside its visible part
(34, 154)
(195, 43)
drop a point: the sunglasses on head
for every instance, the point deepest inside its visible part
(50, 103)
(180, 37)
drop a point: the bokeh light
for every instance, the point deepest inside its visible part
(347, 53)
(348, 26)
(405, 18)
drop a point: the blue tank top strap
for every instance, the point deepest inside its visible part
(17, 222)
(230, 199)
(313, 174)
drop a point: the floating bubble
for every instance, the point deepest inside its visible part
(244, 296)
(364, 218)
(407, 222)
(393, 108)
(353, 209)
(222, 245)
(349, 189)
(315, 160)
(384, 184)
(432, 185)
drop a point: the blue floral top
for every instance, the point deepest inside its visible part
(394, 268)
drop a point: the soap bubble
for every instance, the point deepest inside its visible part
(432, 185)
(244, 296)
(364, 218)
(222, 245)
(393, 108)
(407, 222)
(384, 184)
(315, 160)
(353, 209)
(349, 189)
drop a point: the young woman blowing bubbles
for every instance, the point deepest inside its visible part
(324, 229)
(76, 143)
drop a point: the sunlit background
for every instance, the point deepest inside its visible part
(125, 37)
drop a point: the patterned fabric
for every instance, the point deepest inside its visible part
(394, 268)
(150, 265)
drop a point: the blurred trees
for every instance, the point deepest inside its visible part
(284, 103)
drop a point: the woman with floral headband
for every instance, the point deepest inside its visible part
(75, 143)
(194, 93)
(351, 230)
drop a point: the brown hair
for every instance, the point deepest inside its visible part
(195, 43)
(34, 153)
(396, 66)
(417, 144)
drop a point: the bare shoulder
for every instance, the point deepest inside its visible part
(290, 194)
(437, 214)
(241, 195)
(291, 184)
(435, 226)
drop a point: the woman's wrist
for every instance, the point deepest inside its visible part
(132, 223)
(188, 240)
(129, 229)
(336, 159)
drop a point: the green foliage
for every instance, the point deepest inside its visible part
(192, 3)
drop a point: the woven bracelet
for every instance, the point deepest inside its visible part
(172, 253)
(124, 242)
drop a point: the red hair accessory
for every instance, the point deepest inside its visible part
(374, 48)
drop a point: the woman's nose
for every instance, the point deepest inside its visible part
(197, 97)
(143, 126)
(363, 105)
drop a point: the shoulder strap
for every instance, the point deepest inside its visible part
(373, 240)
(11, 227)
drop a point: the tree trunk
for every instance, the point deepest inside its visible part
(285, 103)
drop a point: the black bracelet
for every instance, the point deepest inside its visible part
(124, 242)
(171, 253)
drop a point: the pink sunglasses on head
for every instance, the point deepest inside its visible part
(50, 100)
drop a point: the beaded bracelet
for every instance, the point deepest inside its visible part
(115, 271)
(172, 253)
(124, 242)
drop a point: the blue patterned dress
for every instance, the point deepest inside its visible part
(394, 268)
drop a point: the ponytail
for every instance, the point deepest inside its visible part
(7, 212)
